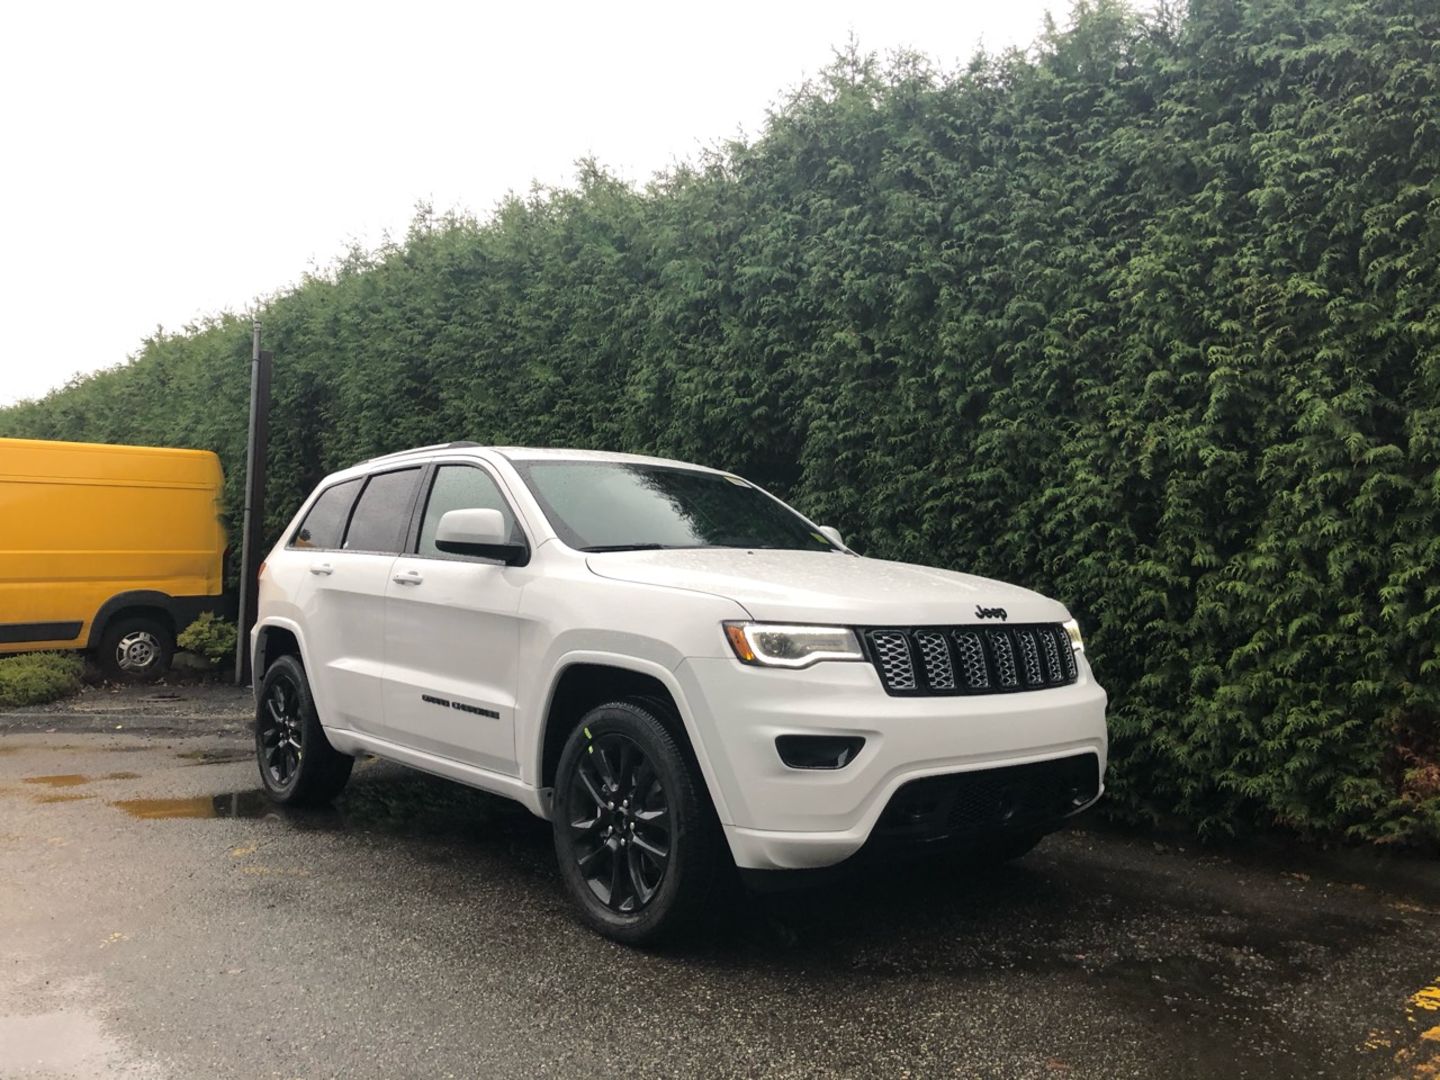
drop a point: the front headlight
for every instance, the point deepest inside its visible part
(781, 645)
(1073, 629)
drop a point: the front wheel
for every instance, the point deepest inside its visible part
(298, 766)
(639, 847)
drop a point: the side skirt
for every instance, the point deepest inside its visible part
(509, 787)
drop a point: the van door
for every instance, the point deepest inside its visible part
(452, 635)
(344, 604)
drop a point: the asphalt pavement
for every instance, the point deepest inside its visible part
(160, 919)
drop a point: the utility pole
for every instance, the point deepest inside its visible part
(253, 527)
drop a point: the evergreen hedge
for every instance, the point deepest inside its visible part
(1145, 318)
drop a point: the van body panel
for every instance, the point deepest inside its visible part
(81, 524)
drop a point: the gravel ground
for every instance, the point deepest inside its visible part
(160, 919)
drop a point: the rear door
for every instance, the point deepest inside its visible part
(343, 605)
(452, 633)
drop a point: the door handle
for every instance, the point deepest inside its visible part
(322, 568)
(408, 577)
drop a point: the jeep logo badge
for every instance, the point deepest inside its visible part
(990, 613)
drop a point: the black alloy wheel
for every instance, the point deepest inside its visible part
(639, 845)
(622, 831)
(280, 736)
(297, 763)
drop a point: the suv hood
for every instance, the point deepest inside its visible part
(828, 587)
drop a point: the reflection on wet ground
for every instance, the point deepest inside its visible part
(76, 779)
(237, 804)
(407, 802)
(65, 780)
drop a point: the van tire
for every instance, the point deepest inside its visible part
(285, 710)
(135, 649)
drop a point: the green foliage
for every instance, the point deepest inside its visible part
(1147, 318)
(35, 678)
(210, 636)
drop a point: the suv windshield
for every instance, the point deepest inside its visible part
(619, 506)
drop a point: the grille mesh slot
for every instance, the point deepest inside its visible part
(1005, 660)
(935, 659)
(1029, 656)
(972, 660)
(941, 660)
(892, 657)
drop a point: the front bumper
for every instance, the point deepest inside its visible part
(779, 818)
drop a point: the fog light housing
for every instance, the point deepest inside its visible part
(818, 751)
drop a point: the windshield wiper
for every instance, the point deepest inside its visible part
(628, 547)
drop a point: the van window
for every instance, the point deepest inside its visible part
(460, 487)
(326, 520)
(383, 512)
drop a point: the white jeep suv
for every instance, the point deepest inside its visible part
(681, 672)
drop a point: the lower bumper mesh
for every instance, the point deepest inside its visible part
(969, 805)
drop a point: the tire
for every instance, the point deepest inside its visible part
(298, 766)
(639, 846)
(135, 648)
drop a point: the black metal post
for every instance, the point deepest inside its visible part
(253, 527)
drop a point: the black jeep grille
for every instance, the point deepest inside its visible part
(940, 660)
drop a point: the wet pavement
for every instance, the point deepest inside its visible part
(159, 918)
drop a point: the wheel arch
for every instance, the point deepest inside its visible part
(581, 681)
(149, 603)
(275, 638)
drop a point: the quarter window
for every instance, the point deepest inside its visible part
(326, 520)
(382, 513)
(461, 487)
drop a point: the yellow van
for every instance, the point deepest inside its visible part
(111, 549)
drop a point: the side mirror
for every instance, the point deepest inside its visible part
(480, 533)
(833, 535)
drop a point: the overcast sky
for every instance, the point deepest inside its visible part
(163, 162)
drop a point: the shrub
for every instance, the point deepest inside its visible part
(210, 636)
(35, 678)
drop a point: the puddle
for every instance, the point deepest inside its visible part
(61, 797)
(412, 805)
(76, 779)
(235, 804)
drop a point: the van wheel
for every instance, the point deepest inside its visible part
(639, 847)
(135, 649)
(298, 766)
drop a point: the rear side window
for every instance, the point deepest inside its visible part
(326, 520)
(383, 512)
(461, 487)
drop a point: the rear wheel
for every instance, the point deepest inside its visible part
(639, 847)
(135, 648)
(298, 766)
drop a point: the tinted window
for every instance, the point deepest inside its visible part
(383, 512)
(326, 520)
(461, 487)
(611, 505)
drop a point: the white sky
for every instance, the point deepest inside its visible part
(163, 162)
